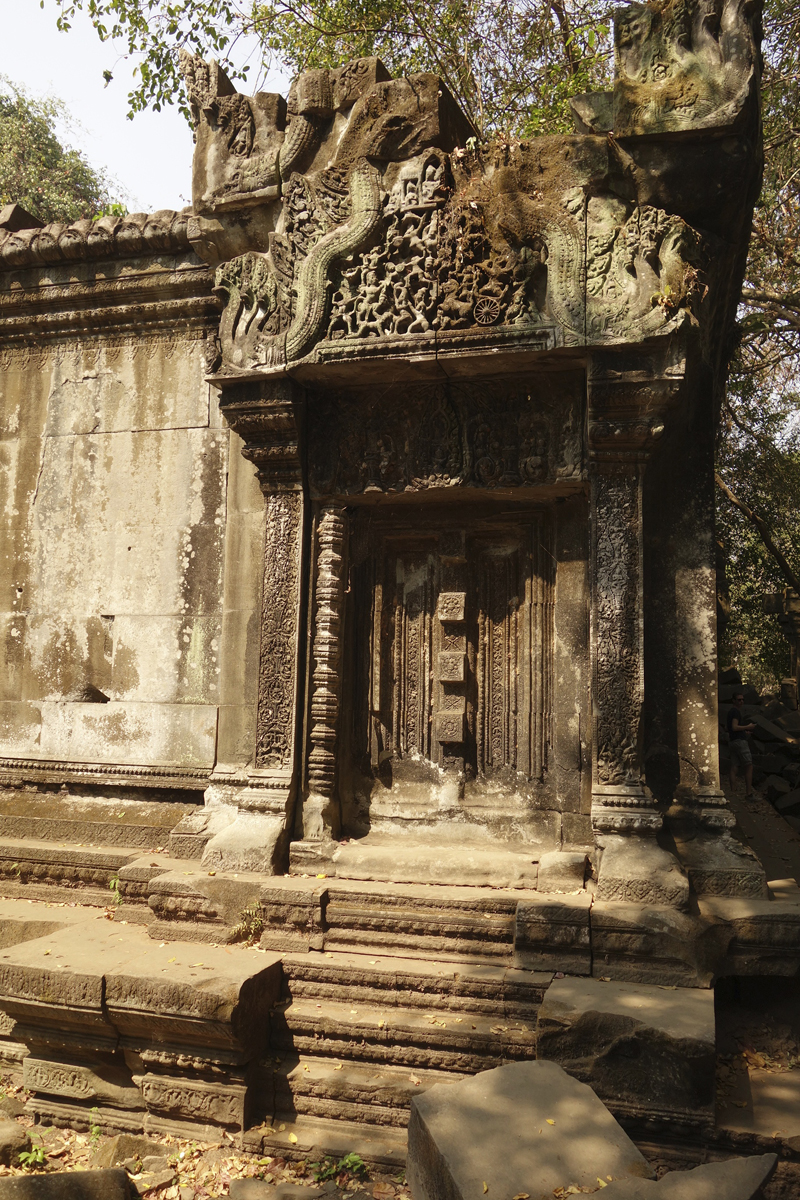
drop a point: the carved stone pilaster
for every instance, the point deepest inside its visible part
(626, 417)
(321, 817)
(267, 415)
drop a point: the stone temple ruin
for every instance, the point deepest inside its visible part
(359, 599)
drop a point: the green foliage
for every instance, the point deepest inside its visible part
(113, 883)
(95, 1131)
(33, 1159)
(511, 65)
(352, 1164)
(51, 181)
(250, 925)
(758, 453)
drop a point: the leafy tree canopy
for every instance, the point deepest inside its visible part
(48, 179)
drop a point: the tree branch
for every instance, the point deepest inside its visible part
(787, 572)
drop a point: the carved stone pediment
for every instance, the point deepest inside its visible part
(361, 220)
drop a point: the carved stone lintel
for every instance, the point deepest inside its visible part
(321, 816)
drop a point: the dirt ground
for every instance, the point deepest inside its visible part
(193, 1169)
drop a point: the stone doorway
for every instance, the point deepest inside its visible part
(450, 632)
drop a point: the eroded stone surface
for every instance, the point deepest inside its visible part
(642, 1049)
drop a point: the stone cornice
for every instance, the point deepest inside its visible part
(158, 291)
(138, 234)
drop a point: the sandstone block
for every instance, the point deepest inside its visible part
(641, 1048)
(552, 934)
(738, 1179)
(69, 1185)
(719, 865)
(645, 944)
(777, 787)
(562, 871)
(639, 871)
(102, 1084)
(789, 803)
(527, 1127)
(123, 1147)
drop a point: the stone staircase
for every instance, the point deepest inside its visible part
(355, 1038)
(63, 849)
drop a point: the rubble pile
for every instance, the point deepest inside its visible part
(775, 744)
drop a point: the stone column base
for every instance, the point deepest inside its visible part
(636, 869)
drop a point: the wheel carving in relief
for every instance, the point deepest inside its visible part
(486, 310)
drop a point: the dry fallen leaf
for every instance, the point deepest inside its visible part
(522, 1196)
(485, 1187)
(292, 1137)
(550, 1121)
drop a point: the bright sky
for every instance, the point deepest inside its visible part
(150, 156)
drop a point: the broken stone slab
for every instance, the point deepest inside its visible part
(643, 1049)
(551, 933)
(13, 1141)
(69, 1185)
(737, 1179)
(640, 871)
(562, 871)
(526, 1127)
(122, 1148)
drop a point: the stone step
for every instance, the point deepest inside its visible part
(44, 870)
(414, 1037)
(409, 983)
(314, 1138)
(464, 924)
(357, 1092)
(106, 823)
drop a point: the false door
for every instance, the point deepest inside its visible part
(455, 675)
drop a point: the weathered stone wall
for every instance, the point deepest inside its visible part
(114, 509)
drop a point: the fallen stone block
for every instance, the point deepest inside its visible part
(791, 773)
(261, 1189)
(789, 803)
(551, 933)
(122, 1148)
(69, 1185)
(737, 1179)
(13, 1140)
(770, 764)
(777, 786)
(526, 1127)
(644, 1050)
